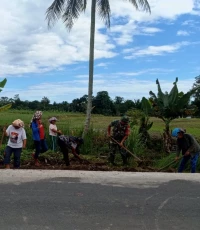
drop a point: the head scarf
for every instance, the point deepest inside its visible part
(18, 123)
(53, 119)
(36, 115)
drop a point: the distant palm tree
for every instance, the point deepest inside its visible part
(69, 10)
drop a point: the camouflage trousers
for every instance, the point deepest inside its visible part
(113, 148)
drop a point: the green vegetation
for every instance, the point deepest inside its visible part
(5, 106)
(168, 106)
(96, 141)
(151, 119)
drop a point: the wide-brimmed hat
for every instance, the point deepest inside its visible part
(52, 119)
(18, 123)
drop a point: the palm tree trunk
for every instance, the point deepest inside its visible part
(91, 68)
(167, 136)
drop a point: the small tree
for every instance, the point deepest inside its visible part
(168, 106)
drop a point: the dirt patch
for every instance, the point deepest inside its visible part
(143, 166)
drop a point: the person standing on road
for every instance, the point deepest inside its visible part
(17, 141)
(189, 147)
(53, 131)
(120, 132)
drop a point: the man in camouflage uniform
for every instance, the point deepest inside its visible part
(120, 132)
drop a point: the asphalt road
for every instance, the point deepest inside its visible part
(77, 200)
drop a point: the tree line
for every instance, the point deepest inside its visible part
(102, 104)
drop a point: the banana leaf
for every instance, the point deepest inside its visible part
(2, 83)
(5, 107)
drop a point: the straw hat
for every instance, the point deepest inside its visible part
(18, 123)
(52, 119)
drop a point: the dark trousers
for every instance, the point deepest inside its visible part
(193, 162)
(17, 154)
(113, 149)
(64, 150)
(40, 147)
(43, 146)
(37, 149)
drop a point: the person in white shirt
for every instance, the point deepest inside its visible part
(53, 131)
(17, 141)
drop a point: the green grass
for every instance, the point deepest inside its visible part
(76, 121)
(192, 125)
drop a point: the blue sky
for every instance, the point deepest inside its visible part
(129, 57)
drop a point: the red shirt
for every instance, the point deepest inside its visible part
(41, 132)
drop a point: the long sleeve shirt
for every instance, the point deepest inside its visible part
(187, 144)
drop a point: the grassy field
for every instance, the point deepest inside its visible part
(69, 122)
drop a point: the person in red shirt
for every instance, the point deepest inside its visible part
(43, 143)
(120, 132)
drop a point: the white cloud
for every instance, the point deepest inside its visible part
(151, 30)
(155, 50)
(129, 88)
(26, 45)
(182, 33)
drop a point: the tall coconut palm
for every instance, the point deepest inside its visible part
(69, 11)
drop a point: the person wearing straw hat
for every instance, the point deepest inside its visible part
(53, 131)
(16, 141)
(189, 147)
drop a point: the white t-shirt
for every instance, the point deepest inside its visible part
(16, 136)
(51, 133)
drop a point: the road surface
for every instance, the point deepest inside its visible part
(78, 200)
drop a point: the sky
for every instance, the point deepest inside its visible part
(137, 49)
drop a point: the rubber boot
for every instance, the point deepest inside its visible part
(37, 163)
(7, 166)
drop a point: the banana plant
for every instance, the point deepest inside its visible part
(167, 106)
(5, 107)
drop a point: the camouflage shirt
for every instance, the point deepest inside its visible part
(119, 130)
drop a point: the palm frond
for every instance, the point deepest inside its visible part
(141, 4)
(103, 8)
(72, 11)
(54, 12)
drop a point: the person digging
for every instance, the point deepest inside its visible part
(189, 147)
(69, 142)
(120, 132)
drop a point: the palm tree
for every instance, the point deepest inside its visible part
(69, 11)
